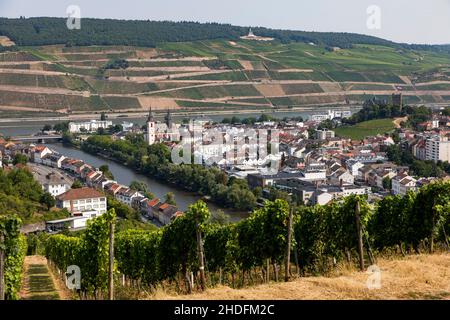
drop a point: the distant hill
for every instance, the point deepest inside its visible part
(219, 75)
(50, 31)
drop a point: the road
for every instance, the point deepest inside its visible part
(42, 171)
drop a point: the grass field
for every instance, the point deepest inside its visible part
(365, 129)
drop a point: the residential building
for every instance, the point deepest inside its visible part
(80, 200)
(268, 180)
(38, 153)
(113, 188)
(53, 183)
(438, 149)
(126, 195)
(342, 176)
(89, 126)
(324, 134)
(402, 183)
(53, 160)
(419, 150)
(353, 166)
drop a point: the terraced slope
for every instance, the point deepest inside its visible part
(216, 75)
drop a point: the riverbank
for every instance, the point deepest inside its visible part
(124, 175)
(175, 113)
(206, 199)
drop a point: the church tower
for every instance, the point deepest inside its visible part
(168, 119)
(151, 128)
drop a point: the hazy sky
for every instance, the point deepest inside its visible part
(412, 21)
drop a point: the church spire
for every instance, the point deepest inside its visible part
(151, 117)
(168, 119)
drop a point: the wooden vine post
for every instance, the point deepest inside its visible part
(360, 235)
(287, 269)
(2, 268)
(111, 262)
(201, 260)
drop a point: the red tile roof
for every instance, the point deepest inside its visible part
(40, 148)
(91, 174)
(153, 202)
(164, 206)
(82, 193)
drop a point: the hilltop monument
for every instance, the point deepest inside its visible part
(252, 36)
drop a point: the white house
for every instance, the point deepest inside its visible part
(342, 176)
(80, 200)
(53, 160)
(39, 152)
(89, 126)
(353, 166)
(127, 195)
(55, 184)
(402, 183)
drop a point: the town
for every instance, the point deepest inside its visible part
(313, 165)
(211, 150)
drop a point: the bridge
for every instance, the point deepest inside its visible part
(38, 138)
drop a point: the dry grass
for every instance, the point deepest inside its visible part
(157, 103)
(413, 277)
(6, 42)
(270, 90)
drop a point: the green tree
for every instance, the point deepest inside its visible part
(20, 159)
(61, 126)
(47, 200)
(106, 172)
(170, 198)
(219, 217)
(387, 183)
(115, 128)
(139, 186)
(77, 184)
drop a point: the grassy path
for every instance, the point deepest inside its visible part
(38, 283)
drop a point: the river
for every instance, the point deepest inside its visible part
(125, 175)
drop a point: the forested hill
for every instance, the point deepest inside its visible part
(49, 31)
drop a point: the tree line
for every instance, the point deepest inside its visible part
(252, 250)
(423, 168)
(23, 196)
(50, 31)
(381, 109)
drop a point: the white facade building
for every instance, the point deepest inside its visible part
(437, 148)
(403, 183)
(81, 200)
(89, 126)
(330, 115)
(56, 188)
(354, 166)
(324, 134)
